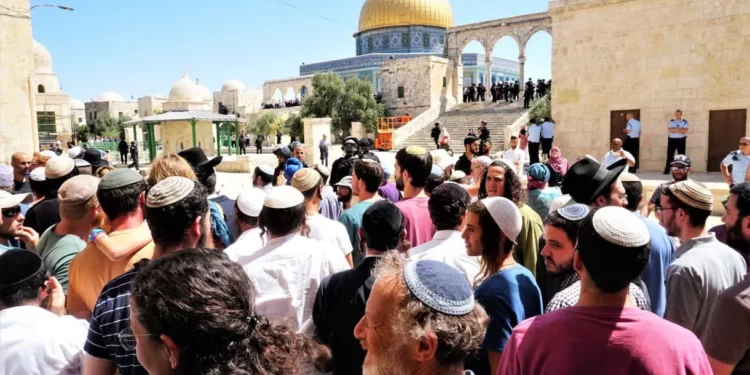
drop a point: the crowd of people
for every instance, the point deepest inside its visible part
(282, 104)
(508, 91)
(482, 264)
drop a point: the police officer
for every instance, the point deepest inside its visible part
(365, 144)
(734, 166)
(343, 166)
(633, 140)
(678, 129)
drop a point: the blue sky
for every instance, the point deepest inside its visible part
(142, 47)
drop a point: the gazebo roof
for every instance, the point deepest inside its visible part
(186, 116)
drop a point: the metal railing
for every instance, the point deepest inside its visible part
(112, 148)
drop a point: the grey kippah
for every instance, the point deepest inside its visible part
(168, 191)
(119, 178)
(620, 227)
(439, 286)
(574, 212)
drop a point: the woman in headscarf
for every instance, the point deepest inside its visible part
(540, 196)
(558, 167)
(445, 140)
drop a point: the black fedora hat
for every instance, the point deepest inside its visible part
(586, 179)
(198, 160)
(94, 157)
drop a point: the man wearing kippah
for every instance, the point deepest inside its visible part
(604, 333)
(37, 336)
(79, 209)
(46, 213)
(288, 270)
(726, 338)
(703, 267)
(413, 318)
(263, 177)
(413, 167)
(178, 216)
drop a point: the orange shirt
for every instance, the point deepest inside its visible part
(90, 270)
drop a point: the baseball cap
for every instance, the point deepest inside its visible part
(681, 160)
(77, 190)
(8, 200)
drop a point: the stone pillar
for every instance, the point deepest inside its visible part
(522, 62)
(314, 128)
(488, 72)
(458, 70)
(358, 130)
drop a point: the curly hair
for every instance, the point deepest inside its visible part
(513, 190)
(210, 315)
(458, 336)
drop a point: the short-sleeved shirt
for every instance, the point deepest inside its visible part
(330, 231)
(656, 197)
(417, 221)
(548, 129)
(541, 199)
(463, 164)
(22, 186)
(58, 252)
(532, 229)
(635, 128)
(43, 215)
(727, 337)
(655, 273)
(678, 124)
(612, 157)
(352, 220)
(570, 296)
(535, 133)
(739, 166)
(112, 315)
(330, 206)
(602, 340)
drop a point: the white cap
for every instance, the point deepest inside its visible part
(282, 197)
(74, 152)
(267, 169)
(8, 200)
(506, 216)
(620, 227)
(48, 153)
(250, 201)
(37, 174)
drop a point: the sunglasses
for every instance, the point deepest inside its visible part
(11, 212)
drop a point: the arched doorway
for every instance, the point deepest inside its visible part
(473, 57)
(505, 65)
(303, 92)
(40, 89)
(538, 53)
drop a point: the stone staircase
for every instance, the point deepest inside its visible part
(467, 116)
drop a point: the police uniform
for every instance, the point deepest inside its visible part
(739, 163)
(676, 141)
(633, 141)
(343, 166)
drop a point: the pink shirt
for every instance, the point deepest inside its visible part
(602, 340)
(417, 222)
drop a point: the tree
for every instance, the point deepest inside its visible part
(542, 108)
(294, 126)
(327, 89)
(105, 126)
(266, 124)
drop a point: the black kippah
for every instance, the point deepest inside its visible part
(17, 266)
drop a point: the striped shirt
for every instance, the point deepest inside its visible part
(111, 315)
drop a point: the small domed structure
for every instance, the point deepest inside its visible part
(204, 91)
(76, 104)
(185, 90)
(232, 84)
(42, 58)
(109, 96)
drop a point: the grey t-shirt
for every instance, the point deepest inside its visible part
(57, 252)
(704, 267)
(727, 337)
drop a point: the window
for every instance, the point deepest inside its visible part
(401, 92)
(40, 89)
(445, 82)
(94, 115)
(80, 120)
(136, 111)
(119, 114)
(46, 126)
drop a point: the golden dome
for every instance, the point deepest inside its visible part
(386, 13)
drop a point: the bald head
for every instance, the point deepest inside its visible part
(21, 163)
(616, 144)
(299, 152)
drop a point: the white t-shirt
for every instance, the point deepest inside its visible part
(36, 341)
(515, 155)
(247, 244)
(448, 247)
(287, 273)
(611, 157)
(327, 230)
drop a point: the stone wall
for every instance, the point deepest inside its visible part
(177, 136)
(422, 80)
(652, 55)
(113, 109)
(59, 104)
(147, 105)
(314, 129)
(17, 114)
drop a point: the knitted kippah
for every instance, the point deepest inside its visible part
(574, 212)
(168, 191)
(267, 169)
(693, 194)
(506, 215)
(620, 227)
(305, 179)
(119, 178)
(6, 176)
(416, 150)
(58, 166)
(439, 286)
(436, 171)
(484, 160)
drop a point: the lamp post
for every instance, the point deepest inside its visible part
(69, 9)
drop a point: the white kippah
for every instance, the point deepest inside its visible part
(620, 227)
(168, 191)
(506, 215)
(283, 196)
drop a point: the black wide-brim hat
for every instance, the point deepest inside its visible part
(94, 157)
(586, 179)
(198, 160)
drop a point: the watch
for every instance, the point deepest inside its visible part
(94, 233)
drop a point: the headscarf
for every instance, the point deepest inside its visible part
(538, 175)
(558, 164)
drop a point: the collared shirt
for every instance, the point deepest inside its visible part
(635, 128)
(654, 275)
(548, 129)
(247, 244)
(36, 341)
(535, 133)
(611, 157)
(330, 206)
(570, 296)
(287, 273)
(678, 124)
(267, 188)
(516, 155)
(702, 268)
(448, 247)
(739, 166)
(331, 231)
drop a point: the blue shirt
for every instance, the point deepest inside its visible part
(635, 128)
(677, 124)
(352, 220)
(534, 132)
(655, 273)
(548, 129)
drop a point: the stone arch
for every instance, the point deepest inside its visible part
(496, 38)
(466, 41)
(303, 92)
(40, 89)
(530, 34)
(289, 93)
(277, 95)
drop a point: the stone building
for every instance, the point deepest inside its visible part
(77, 113)
(651, 57)
(411, 87)
(151, 104)
(110, 104)
(234, 97)
(55, 118)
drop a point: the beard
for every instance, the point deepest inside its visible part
(561, 269)
(400, 183)
(345, 198)
(389, 362)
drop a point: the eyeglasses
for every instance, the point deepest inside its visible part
(662, 209)
(128, 339)
(11, 212)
